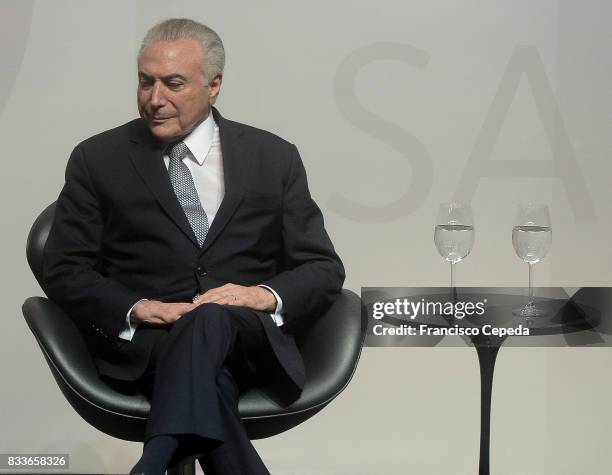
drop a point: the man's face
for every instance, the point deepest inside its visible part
(173, 97)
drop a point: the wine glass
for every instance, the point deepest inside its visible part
(454, 234)
(531, 238)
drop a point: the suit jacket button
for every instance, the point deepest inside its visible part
(201, 272)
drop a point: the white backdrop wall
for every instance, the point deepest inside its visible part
(395, 107)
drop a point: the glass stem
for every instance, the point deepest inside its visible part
(452, 265)
(530, 301)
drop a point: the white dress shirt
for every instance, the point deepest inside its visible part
(205, 163)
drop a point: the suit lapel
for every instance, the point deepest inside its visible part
(147, 156)
(236, 169)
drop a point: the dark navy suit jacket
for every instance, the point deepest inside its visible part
(120, 235)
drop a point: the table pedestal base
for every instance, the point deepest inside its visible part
(486, 358)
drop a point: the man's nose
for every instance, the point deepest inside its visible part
(157, 95)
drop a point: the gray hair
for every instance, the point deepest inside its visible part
(174, 29)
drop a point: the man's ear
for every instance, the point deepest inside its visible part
(214, 88)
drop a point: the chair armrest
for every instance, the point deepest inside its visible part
(69, 359)
(330, 349)
(332, 346)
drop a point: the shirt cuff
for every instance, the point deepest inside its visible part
(277, 316)
(129, 328)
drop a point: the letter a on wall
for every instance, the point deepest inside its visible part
(526, 60)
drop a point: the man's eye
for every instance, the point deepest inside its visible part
(144, 83)
(175, 85)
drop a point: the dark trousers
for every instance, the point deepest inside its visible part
(197, 371)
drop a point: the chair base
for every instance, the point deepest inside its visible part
(186, 469)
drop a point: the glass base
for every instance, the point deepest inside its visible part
(529, 310)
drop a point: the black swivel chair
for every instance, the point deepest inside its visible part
(330, 349)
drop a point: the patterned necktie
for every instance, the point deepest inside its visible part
(186, 192)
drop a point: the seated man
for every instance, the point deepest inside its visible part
(188, 250)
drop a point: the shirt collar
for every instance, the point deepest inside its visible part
(200, 139)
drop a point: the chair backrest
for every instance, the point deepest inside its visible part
(39, 232)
